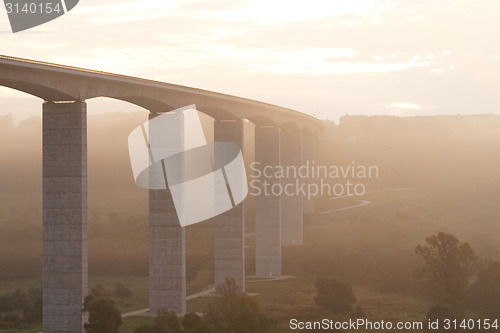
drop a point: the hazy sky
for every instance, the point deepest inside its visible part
(323, 57)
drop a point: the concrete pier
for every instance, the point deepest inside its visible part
(167, 248)
(167, 255)
(308, 158)
(230, 226)
(267, 208)
(291, 202)
(65, 254)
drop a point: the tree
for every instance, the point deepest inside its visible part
(103, 316)
(334, 295)
(484, 294)
(235, 312)
(122, 291)
(249, 317)
(32, 311)
(358, 312)
(191, 320)
(448, 265)
(145, 329)
(203, 327)
(167, 321)
(32, 307)
(97, 291)
(442, 311)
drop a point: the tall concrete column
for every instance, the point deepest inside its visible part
(230, 226)
(308, 158)
(65, 254)
(267, 207)
(291, 202)
(249, 157)
(167, 251)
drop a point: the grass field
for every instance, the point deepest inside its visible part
(130, 324)
(34, 329)
(282, 300)
(138, 285)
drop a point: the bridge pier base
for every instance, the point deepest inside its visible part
(65, 254)
(167, 255)
(267, 208)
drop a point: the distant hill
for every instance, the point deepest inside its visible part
(454, 161)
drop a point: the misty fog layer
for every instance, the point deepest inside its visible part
(449, 165)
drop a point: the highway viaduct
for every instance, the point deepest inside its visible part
(267, 133)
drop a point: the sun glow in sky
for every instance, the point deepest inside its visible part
(322, 57)
(406, 106)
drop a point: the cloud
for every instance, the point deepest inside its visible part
(291, 53)
(405, 106)
(10, 94)
(211, 5)
(322, 67)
